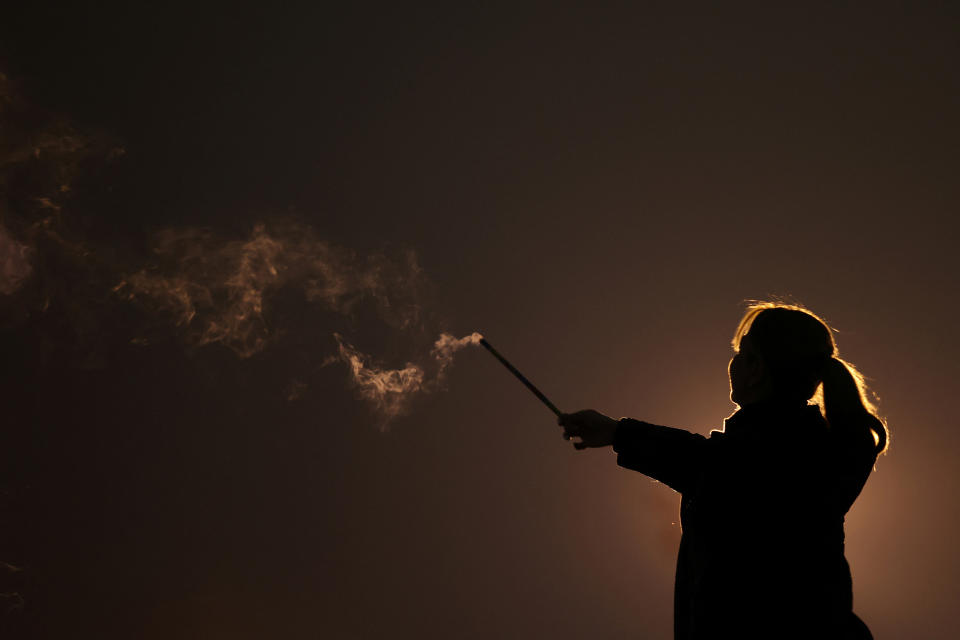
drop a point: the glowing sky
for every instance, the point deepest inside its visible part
(597, 191)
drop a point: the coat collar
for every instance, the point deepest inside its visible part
(771, 419)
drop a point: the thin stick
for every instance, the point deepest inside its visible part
(520, 377)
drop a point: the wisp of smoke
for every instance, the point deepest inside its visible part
(14, 263)
(219, 290)
(391, 390)
(387, 389)
(41, 157)
(447, 345)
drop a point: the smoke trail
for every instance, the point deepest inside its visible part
(391, 390)
(220, 292)
(207, 288)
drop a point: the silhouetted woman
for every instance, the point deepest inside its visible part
(763, 501)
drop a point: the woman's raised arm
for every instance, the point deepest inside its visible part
(669, 455)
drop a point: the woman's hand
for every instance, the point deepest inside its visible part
(592, 427)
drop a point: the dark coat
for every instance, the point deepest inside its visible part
(762, 511)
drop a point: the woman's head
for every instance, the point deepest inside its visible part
(786, 353)
(781, 352)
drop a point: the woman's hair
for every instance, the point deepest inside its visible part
(798, 348)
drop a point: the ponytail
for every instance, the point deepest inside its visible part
(845, 402)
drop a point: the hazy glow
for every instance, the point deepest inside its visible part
(606, 230)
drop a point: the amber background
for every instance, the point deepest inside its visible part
(597, 190)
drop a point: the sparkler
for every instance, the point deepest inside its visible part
(520, 376)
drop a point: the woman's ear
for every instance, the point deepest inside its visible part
(755, 372)
(759, 379)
